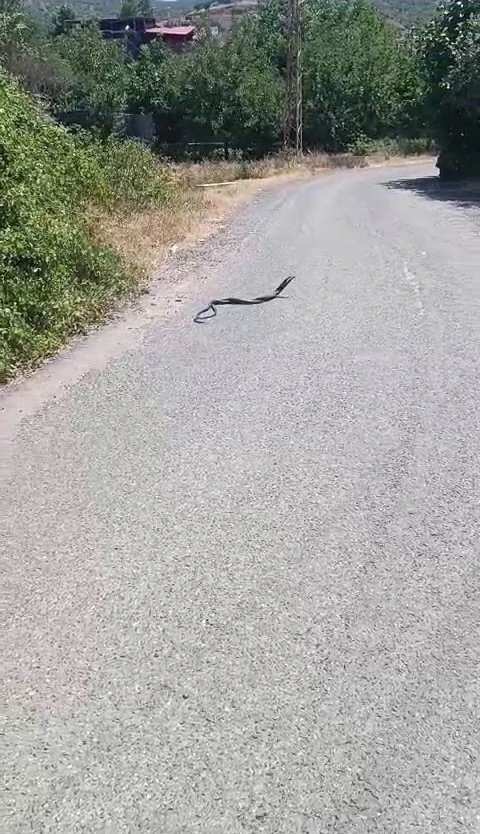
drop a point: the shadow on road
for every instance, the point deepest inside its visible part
(463, 194)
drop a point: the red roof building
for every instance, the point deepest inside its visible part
(136, 31)
(183, 33)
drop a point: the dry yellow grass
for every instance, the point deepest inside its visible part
(209, 171)
(143, 238)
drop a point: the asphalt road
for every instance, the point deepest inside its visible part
(243, 557)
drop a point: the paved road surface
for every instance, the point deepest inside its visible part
(244, 557)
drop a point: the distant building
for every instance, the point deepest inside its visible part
(174, 36)
(114, 28)
(220, 17)
(137, 31)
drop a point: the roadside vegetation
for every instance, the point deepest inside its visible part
(77, 196)
(55, 277)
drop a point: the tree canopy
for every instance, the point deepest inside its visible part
(450, 48)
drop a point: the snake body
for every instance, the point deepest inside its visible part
(202, 316)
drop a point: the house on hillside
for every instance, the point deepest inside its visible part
(174, 35)
(220, 17)
(114, 28)
(137, 31)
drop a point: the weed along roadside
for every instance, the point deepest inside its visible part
(57, 277)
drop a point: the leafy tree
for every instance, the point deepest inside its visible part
(229, 92)
(62, 20)
(359, 77)
(233, 91)
(100, 76)
(450, 47)
(154, 82)
(158, 82)
(253, 103)
(13, 28)
(25, 53)
(145, 8)
(271, 32)
(136, 8)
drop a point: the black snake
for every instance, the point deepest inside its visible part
(201, 317)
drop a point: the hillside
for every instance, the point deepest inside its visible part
(101, 8)
(408, 11)
(405, 11)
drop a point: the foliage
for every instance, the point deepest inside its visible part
(235, 90)
(359, 78)
(446, 41)
(25, 53)
(230, 92)
(99, 76)
(131, 174)
(54, 278)
(73, 70)
(450, 46)
(62, 20)
(386, 148)
(363, 77)
(135, 8)
(155, 80)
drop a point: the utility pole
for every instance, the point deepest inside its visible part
(293, 131)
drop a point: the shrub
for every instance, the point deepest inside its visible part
(131, 173)
(54, 279)
(450, 46)
(389, 147)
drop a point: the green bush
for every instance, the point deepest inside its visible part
(390, 147)
(54, 279)
(450, 46)
(131, 173)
